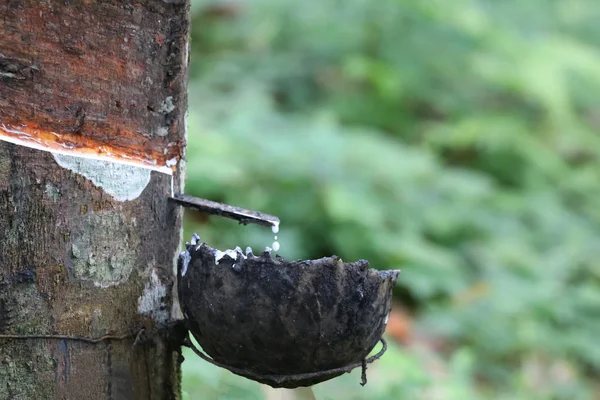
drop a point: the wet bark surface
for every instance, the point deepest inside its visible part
(75, 258)
(100, 76)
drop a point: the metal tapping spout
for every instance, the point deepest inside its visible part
(225, 210)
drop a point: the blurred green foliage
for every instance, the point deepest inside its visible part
(455, 140)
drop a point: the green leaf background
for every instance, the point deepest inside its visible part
(455, 140)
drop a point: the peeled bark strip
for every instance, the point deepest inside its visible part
(87, 248)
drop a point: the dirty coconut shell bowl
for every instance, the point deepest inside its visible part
(283, 323)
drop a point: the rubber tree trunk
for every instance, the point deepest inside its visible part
(87, 247)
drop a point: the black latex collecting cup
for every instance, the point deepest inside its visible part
(273, 320)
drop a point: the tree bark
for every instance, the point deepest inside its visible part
(87, 247)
